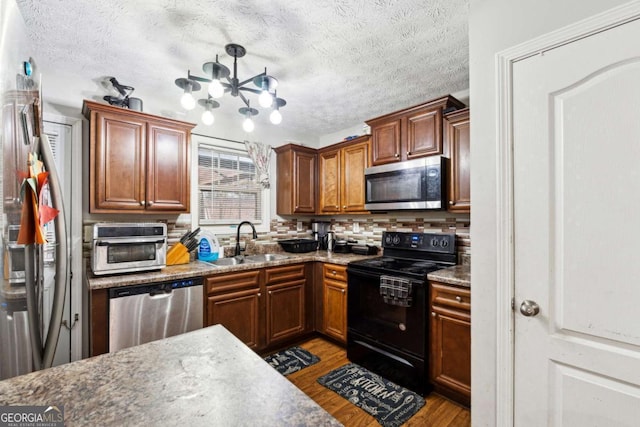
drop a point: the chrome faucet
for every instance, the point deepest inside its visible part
(255, 235)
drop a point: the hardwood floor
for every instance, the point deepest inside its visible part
(437, 411)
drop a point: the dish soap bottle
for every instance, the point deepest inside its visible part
(209, 248)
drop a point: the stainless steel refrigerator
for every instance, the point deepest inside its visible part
(29, 325)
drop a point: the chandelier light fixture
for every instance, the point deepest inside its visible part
(220, 82)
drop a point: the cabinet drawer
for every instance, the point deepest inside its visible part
(284, 274)
(450, 297)
(335, 272)
(232, 282)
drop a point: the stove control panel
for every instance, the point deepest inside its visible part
(431, 242)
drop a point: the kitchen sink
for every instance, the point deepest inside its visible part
(249, 259)
(227, 261)
(265, 257)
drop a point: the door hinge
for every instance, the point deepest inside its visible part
(513, 303)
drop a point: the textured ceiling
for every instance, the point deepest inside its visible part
(338, 62)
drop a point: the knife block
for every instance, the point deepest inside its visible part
(178, 254)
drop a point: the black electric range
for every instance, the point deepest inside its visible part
(387, 305)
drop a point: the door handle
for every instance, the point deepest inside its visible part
(529, 308)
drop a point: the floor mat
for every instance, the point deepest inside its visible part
(291, 360)
(388, 402)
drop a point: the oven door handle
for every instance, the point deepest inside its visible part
(376, 276)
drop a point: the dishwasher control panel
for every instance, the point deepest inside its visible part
(153, 288)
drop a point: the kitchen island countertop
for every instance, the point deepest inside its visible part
(201, 378)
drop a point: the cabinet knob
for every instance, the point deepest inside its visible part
(342, 290)
(459, 299)
(259, 294)
(397, 155)
(150, 204)
(141, 202)
(408, 153)
(451, 202)
(344, 207)
(433, 314)
(270, 292)
(334, 272)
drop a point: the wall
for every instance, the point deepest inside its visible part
(496, 25)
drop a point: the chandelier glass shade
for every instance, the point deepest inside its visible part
(221, 81)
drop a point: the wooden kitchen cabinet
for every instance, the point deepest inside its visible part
(410, 133)
(334, 302)
(341, 185)
(457, 136)
(296, 180)
(264, 307)
(139, 163)
(233, 300)
(285, 311)
(450, 341)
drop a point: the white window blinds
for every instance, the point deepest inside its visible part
(227, 187)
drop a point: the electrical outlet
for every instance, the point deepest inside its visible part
(299, 226)
(356, 227)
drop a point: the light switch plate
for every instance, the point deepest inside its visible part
(299, 226)
(356, 227)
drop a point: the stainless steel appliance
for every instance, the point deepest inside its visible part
(128, 247)
(387, 322)
(140, 314)
(33, 292)
(413, 184)
(320, 231)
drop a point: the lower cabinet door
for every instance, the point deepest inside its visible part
(451, 357)
(285, 310)
(335, 310)
(238, 312)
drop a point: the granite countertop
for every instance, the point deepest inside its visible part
(201, 378)
(459, 275)
(199, 268)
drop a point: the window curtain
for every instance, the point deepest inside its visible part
(260, 154)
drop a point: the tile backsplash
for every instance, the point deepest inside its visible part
(363, 229)
(369, 229)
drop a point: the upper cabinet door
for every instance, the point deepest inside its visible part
(329, 177)
(457, 132)
(117, 163)
(304, 184)
(168, 181)
(386, 142)
(424, 134)
(355, 159)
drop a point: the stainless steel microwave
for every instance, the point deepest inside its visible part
(128, 247)
(413, 184)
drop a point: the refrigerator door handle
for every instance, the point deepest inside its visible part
(32, 306)
(62, 254)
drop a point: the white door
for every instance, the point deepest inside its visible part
(576, 118)
(60, 137)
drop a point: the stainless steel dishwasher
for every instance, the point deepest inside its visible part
(144, 313)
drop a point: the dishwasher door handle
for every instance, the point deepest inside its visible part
(161, 295)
